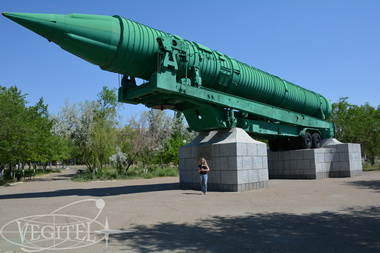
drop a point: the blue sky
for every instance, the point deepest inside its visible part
(328, 46)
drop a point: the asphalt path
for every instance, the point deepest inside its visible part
(52, 213)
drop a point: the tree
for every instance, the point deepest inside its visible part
(368, 131)
(26, 133)
(66, 124)
(41, 142)
(158, 130)
(131, 143)
(358, 124)
(103, 134)
(13, 132)
(145, 139)
(179, 137)
(90, 126)
(118, 160)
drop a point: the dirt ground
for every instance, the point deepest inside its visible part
(154, 215)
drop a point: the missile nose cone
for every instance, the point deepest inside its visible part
(93, 38)
(42, 24)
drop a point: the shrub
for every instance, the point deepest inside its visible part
(132, 173)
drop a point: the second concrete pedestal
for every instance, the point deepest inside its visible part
(237, 162)
(334, 159)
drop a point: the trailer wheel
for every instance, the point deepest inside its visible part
(316, 140)
(306, 141)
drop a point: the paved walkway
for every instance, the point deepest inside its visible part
(329, 215)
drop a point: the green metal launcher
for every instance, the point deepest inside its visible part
(211, 89)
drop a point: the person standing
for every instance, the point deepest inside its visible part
(203, 168)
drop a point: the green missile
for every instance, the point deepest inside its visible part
(126, 47)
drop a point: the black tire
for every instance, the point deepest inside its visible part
(316, 140)
(306, 141)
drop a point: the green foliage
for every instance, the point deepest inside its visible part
(4, 182)
(90, 128)
(179, 137)
(89, 133)
(171, 153)
(131, 143)
(358, 124)
(26, 132)
(103, 139)
(14, 133)
(84, 176)
(103, 135)
(154, 138)
(371, 167)
(118, 160)
(133, 173)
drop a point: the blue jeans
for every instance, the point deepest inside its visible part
(203, 178)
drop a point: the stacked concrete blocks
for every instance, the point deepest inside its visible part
(238, 162)
(334, 159)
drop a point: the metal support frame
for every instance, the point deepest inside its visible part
(209, 109)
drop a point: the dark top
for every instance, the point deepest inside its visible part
(202, 167)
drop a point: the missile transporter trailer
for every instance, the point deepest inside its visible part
(212, 90)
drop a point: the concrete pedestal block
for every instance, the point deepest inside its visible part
(334, 159)
(237, 162)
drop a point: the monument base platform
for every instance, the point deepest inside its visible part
(334, 159)
(237, 162)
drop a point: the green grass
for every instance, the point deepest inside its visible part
(132, 173)
(369, 167)
(47, 171)
(4, 182)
